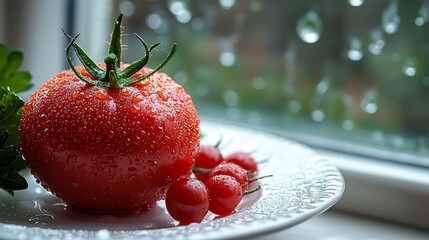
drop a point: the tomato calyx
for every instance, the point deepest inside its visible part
(113, 77)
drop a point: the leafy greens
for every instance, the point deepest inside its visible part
(12, 81)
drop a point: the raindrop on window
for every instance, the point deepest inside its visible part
(227, 4)
(323, 86)
(227, 58)
(294, 106)
(318, 115)
(154, 21)
(230, 98)
(426, 81)
(369, 102)
(309, 27)
(355, 51)
(197, 23)
(377, 42)
(258, 83)
(202, 89)
(255, 5)
(181, 77)
(378, 136)
(254, 118)
(348, 124)
(390, 19)
(423, 16)
(395, 57)
(356, 3)
(233, 113)
(397, 141)
(179, 9)
(184, 17)
(409, 67)
(127, 8)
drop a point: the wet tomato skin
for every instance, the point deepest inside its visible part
(109, 149)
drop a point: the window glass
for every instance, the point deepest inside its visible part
(339, 73)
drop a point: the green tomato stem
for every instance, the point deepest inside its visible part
(113, 77)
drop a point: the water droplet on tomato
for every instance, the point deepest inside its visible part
(148, 107)
(102, 96)
(125, 93)
(162, 95)
(136, 99)
(152, 163)
(134, 109)
(28, 107)
(77, 95)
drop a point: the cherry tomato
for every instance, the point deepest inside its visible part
(112, 136)
(225, 194)
(187, 200)
(208, 157)
(243, 159)
(233, 170)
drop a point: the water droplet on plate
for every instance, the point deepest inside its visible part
(102, 234)
(309, 27)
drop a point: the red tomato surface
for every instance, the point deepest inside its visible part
(109, 149)
(187, 200)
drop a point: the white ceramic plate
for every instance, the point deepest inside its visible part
(303, 185)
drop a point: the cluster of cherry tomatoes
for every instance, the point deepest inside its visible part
(217, 185)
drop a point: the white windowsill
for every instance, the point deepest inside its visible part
(382, 200)
(381, 189)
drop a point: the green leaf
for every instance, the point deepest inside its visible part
(3, 138)
(8, 155)
(10, 179)
(10, 105)
(10, 77)
(20, 81)
(12, 81)
(13, 181)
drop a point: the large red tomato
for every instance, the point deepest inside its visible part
(104, 144)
